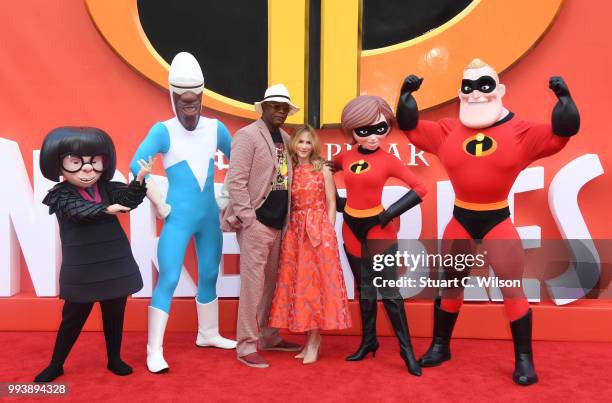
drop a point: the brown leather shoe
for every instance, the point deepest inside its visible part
(254, 360)
(282, 345)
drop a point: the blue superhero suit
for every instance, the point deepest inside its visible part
(188, 158)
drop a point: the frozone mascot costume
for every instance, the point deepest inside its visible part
(188, 143)
(483, 152)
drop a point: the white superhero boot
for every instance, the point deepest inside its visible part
(208, 327)
(155, 351)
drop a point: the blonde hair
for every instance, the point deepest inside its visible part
(479, 63)
(315, 158)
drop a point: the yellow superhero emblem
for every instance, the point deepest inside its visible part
(360, 167)
(480, 145)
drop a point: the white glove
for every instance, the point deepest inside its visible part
(223, 198)
(162, 209)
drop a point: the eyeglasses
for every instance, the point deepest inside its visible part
(278, 106)
(74, 163)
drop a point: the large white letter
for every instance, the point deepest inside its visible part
(583, 273)
(25, 222)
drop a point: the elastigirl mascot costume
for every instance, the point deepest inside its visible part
(188, 143)
(368, 120)
(483, 152)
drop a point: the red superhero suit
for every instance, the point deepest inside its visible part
(368, 119)
(365, 174)
(483, 152)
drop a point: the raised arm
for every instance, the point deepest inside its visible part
(157, 141)
(426, 135)
(565, 116)
(539, 140)
(407, 108)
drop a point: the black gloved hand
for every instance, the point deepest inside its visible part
(340, 203)
(411, 84)
(407, 111)
(384, 218)
(565, 116)
(558, 86)
(405, 203)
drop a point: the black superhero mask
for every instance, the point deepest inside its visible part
(379, 129)
(484, 84)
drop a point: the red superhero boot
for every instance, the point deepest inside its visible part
(483, 152)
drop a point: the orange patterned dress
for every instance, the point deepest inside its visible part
(310, 292)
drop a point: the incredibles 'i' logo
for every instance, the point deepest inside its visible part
(480, 145)
(360, 167)
(325, 51)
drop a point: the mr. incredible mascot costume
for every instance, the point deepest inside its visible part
(188, 143)
(483, 152)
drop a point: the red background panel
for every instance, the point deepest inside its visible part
(57, 70)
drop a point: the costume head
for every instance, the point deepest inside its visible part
(481, 96)
(186, 83)
(367, 119)
(304, 143)
(276, 105)
(83, 155)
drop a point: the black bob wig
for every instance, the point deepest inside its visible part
(78, 141)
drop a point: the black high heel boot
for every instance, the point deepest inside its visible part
(369, 342)
(524, 370)
(368, 308)
(397, 315)
(439, 350)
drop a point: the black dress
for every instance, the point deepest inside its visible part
(97, 261)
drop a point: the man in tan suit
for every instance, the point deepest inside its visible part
(259, 184)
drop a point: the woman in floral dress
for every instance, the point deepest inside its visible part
(310, 294)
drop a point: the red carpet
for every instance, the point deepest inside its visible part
(480, 371)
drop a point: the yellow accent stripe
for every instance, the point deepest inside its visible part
(340, 48)
(481, 206)
(287, 50)
(363, 213)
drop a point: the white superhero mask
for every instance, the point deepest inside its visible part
(185, 75)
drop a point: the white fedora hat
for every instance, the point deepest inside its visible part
(277, 93)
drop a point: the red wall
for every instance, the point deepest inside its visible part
(57, 70)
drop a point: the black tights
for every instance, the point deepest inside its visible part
(74, 315)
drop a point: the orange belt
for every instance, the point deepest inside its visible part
(353, 212)
(481, 206)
